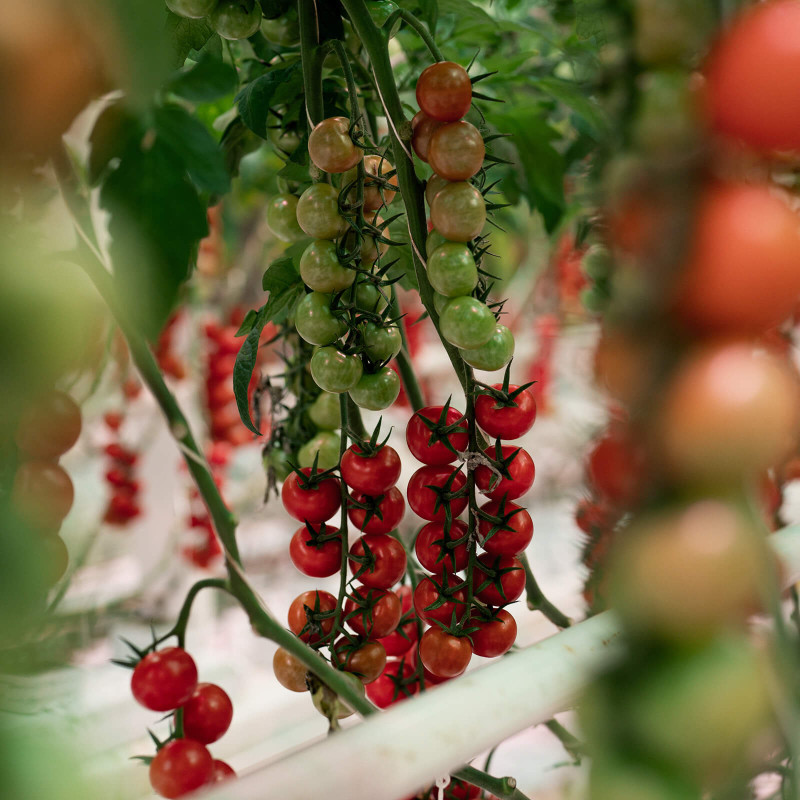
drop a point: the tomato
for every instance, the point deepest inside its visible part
(369, 298)
(315, 322)
(376, 193)
(320, 268)
(395, 684)
(325, 412)
(381, 342)
(371, 474)
(399, 642)
(376, 390)
(180, 767)
(385, 565)
(494, 636)
(489, 571)
(331, 148)
(427, 502)
(207, 714)
(445, 655)
(456, 151)
(742, 273)
(164, 679)
(387, 511)
(449, 603)
(458, 212)
(435, 549)
(367, 660)
(193, 9)
(285, 140)
(423, 127)
(503, 421)
(728, 412)
(290, 672)
(688, 571)
(324, 447)
(282, 218)
(432, 187)
(434, 239)
(49, 427)
(283, 30)
(509, 537)
(54, 558)
(222, 772)
(317, 503)
(334, 371)
(617, 466)
(372, 613)
(313, 558)
(744, 101)
(439, 302)
(380, 11)
(236, 19)
(444, 91)
(318, 212)
(307, 624)
(452, 270)
(520, 468)
(42, 494)
(493, 355)
(467, 322)
(432, 447)
(369, 248)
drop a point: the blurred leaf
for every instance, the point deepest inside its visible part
(575, 98)
(186, 35)
(465, 11)
(237, 141)
(280, 275)
(208, 79)
(255, 99)
(111, 131)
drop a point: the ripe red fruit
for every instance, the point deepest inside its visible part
(444, 91)
(316, 561)
(49, 427)
(314, 504)
(391, 508)
(445, 655)
(495, 636)
(389, 560)
(426, 502)
(520, 468)
(372, 475)
(207, 714)
(180, 767)
(508, 571)
(616, 467)
(390, 687)
(401, 640)
(432, 549)
(222, 772)
(378, 618)
(430, 448)
(512, 536)
(430, 591)
(506, 422)
(164, 679)
(319, 602)
(423, 128)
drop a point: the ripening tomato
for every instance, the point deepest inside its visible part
(395, 684)
(432, 187)
(236, 19)
(444, 91)
(181, 766)
(381, 342)
(423, 127)
(282, 218)
(495, 353)
(376, 390)
(315, 322)
(222, 772)
(406, 634)
(318, 212)
(387, 511)
(498, 580)
(434, 602)
(325, 412)
(290, 671)
(320, 268)
(312, 629)
(452, 270)
(42, 494)
(334, 371)
(313, 558)
(314, 504)
(503, 421)
(445, 655)
(376, 193)
(331, 148)
(49, 426)
(367, 660)
(458, 212)
(372, 474)
(372, 613)
(617, 467)
(494, 636)
(283, 30)
(430, 447)
(388, 560)
(508, 538)
(193, 9)
(324, 447)
(164, 679)
(437, 550)
(456, 151)
(467, 322)
(520, 468)
(207, 714)
(427, 502)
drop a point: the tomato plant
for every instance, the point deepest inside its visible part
(313, 554)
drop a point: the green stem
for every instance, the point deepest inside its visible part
(504, 788)
(312, 57)
(179, 628)
(418, 26)
(407, 374)
(337, 621)
(570, 743)
(536, 599)
(472, 507)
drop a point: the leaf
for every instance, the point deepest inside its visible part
(243, 370)
(255, 99)
(111, 131)
(208, 79)
(237, 141)
(186, 35)
(575, 98)
(466, 12)
(430, 13)
(279, 275)
(195, 147)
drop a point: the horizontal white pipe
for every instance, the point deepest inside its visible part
(391, 755)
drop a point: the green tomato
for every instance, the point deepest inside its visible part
(439, 302)
(493, 355)
(327, 444)
(318, 212)
(192, 9)
(334, 371)
(283, 30)
(597, 263)
(369, 298)
(452, 270)
(594, 300)
(320, 268)
(380, 11)
(282, 218)
(467, 323)
(286, 141)
(278, 461)
(434, 240)
(376, 391)
(329, 704)
(236, 19)
(325, 413)
(315, 322)
(458, 212)
(381, 342)
(433, 186)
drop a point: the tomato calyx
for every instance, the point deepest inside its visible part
(317, 537)
(372, 507)
(368, 448)
(500, 521)
(499, 465)
(440, 429)
(504, 397)
(447, 586)
(445, 494)
(308, 478)
(493, 573)
(314, 628)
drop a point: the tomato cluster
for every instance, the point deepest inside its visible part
(166, 680)
(123, 505)
(231, 19)
(169, 362)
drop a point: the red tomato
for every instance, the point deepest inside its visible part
(432, 549)
(506, 538)
(489, 570)
(423, 128)
(222, 772)
(311, 504)
(616, 467)
(389, 561)
(180, 767)
(165, 679)
(444, 91)
(317, 560)
(318, 602)
(207, 714)
(495, 636)
(520, 468)
(372, 613)
(49, 427)
(389, 510)
(373, 475)
(367, 660)
(426, 502)
(42, 494)
(448, 602)
(395, 684)
(443, 654)
(431, 447)
(399, 642)
(592, 516)
(506, 422)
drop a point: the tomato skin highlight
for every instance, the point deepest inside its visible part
(372, 475)
(506, 422)
(446, 656)
(331, 148)
(390, 560)
(165, 679)
(444, 91)
(180, 767)
(222, 772)
(207, 714)
(493, 637)
(315, 561)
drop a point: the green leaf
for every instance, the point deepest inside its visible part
(247, 323)
(111, 132)
(208, 79)
(237, 141)
(195, 147)
(186, 35)
(576, 99)
(280, 275)
(255, 99)
(243, 369)
(466, 12)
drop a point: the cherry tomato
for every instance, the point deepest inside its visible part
(431, 590)
(616, 467)
(394, 684)
(334, 371)
(313, 504)
(433, 550)
(207, 714)
(370, 474)
(49, 427)
(320, 268)
(376, 193)
(54, 558)
(42, 494)
(431, 448)
(379, 616)
(506, 422)
(495, 353)
(324, 447)
(507, 570)
(399, 642)
(367, 660)
(389, 561)
(283, 30)
(467, 322)
(432, 187)
(445, 655)
(236, 19)
(164, 679)
(390, 509)
(423, 128)
(180, 767)
(290, 671)
(370, 298)
(444, 91)
(434, 239)
(315, 322)
(456, 151)
(376, 390)
(512, 536)
(520, 468)
(426, 502)
(319, 602)
(318, 212)
(317, 560)
(193, 9)
(458, 212)
(381, 342)
(222, 772)
(452, 270)
(593, 516)
(324, 412)
(495, 636)
(282, 218)
(331, 148)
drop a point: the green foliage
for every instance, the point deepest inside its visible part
(205, 80)
(277, 85)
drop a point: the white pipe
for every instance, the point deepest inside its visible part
(393, 754)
